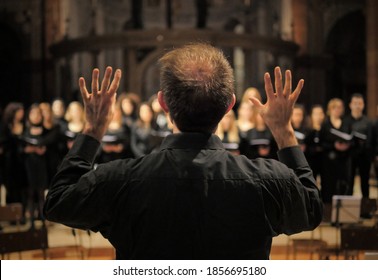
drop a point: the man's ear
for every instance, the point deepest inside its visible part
(231, 104)
(162, 102)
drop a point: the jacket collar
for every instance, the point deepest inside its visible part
(192, 141)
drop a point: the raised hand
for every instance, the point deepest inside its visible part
(99, 104)
(277, 111)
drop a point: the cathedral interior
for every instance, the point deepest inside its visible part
(46, 45)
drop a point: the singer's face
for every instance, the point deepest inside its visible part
(19, 115)
(357, 104)
(337, 110)
(317, 115)
(35, 116)
(297, 116)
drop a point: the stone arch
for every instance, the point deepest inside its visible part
(144, 67)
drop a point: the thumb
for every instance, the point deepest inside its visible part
(256, 103)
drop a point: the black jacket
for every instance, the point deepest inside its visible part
(190, 200)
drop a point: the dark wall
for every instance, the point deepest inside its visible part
(346, 44)
(14, 66)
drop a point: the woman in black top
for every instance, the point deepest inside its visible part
(58, 108)
(52, 140)
(13, 163)
(375, 145)
(298, 123)
(314, 149)
(336, 139)
(35, 161)
(246, 118)
(116, 141)
(75, 122)
(161, 123)
(259, 142)
(142, 139)
(228, 132)
(129, 107)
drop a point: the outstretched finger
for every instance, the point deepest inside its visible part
(83, 89)
(268, 86)
(256, 103)
(95, 75)
(115, 83)
(287, 87)
(294, 96)
(106, 81)
(278, 80)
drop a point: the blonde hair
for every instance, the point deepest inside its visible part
(332, 103)
(251, 92)
(254, 112)
(233, 133)
(68, 115)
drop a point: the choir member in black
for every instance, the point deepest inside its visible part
(362, 152)
(259, 142)
(298, 123)
(246, 112)
(35, 161)
(1, 155)
(75, 121)
(52, 140)
(162, 124)
(375, 145)
(59, 110)
(228, 132)
(116, 141)
(14, 173)
(142, 142)
(246, 118)
(314, 148)
(336, 139)
(129, 108)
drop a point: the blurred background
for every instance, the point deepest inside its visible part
(46, 45)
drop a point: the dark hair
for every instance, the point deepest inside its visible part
(356, 95)
(10, 112)
(316, 106)
(309, 119)
(32, 107)
(129, 96)
(58, 99)
(301, 107)
(198, 83)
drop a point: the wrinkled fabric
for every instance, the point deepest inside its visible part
(190, 200)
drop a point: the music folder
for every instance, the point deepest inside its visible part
(341, 136)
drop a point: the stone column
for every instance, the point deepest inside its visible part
(300, 30)
(372, 57)
(286, 20)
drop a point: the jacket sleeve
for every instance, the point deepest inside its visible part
(293, 202)
(77, 196)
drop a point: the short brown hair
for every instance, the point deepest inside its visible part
(198, 84)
